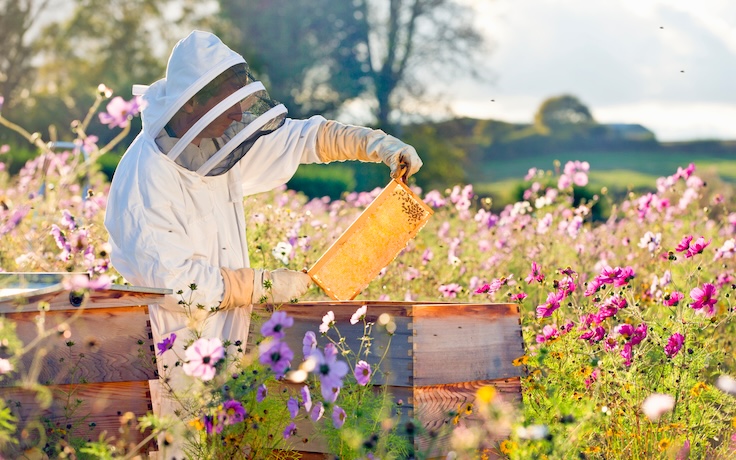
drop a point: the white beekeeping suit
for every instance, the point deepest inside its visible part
(175, 210)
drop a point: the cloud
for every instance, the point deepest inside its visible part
(637, 55)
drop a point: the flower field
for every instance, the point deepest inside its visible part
(628, 322)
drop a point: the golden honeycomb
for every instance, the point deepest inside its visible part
(371, 242)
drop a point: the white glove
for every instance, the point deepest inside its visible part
(285, 285)
(339, 142)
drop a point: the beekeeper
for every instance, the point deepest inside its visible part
(211, 135)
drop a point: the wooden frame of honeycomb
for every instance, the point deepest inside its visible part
(371, 242)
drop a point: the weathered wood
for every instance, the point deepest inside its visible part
(59, 298)
(371, 242)
(109, 345)
(102, 407)
(465, 343)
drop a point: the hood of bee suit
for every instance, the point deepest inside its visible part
(194, 62)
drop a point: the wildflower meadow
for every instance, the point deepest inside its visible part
(628, 318)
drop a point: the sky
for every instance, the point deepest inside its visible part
(669, 65)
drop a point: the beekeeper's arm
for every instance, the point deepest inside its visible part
(340, 142)
(151, 247)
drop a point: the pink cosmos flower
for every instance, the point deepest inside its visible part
(535, 275)
(674, 344)
(684, 245)
(327, 322)
(566, 286)
(592, 378)
(594, 335)
(202, 356)
(451, 290)
(362, 373)
(673, 299)
(704, 299)
(359, 314)
(519, 297)
(119, 112)
(276, 325)
(549, 307)
(548, 333)
(697, 247)
(338, 416)
(626, 353)
(656, 405)
(639, 334)
(232, 412)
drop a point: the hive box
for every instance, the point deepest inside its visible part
(439, 354)
(97, 349)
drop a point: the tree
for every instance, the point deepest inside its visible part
(307, 51)
(17, 18)
(388, 52)
(564, 116)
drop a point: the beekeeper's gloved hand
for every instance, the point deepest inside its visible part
(339, 142)
(246, 286)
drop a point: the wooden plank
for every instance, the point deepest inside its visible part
(465, 342)
(60, 299)
(109, 345)
(434, 404)
(102, 406)
(371, 242)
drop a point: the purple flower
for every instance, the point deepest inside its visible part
(293, 405)
(317, 411)
(210, 426)
(362, 373)
(704, 299)
(626, 353)
(202, 356)
(594, 335)
(261, 393)
(275, 326)
(338, 416)
(674, 344)
(166, 344)
(306, 398)
(232, 412)
(277, 355)
(119, 112)
(359, 314)
(327, 322)
(330, 370)
(639, 334)
(309, 343)
(548, 333)
(290, 430)
(519, 297)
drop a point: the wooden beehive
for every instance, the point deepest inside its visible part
(371, 242)
(439, 355)
(97, 349)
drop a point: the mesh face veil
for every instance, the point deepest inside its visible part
(260, 115)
